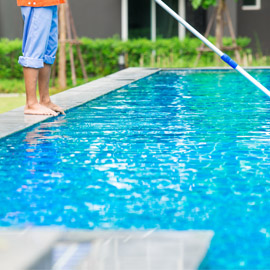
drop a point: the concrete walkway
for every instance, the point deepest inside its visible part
(49, 249)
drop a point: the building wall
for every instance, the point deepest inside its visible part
(96, 18)
(10, 19)
(93, 18)
(254, 24)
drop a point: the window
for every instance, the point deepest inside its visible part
(251, 4)
(139, 25)
(139, 19)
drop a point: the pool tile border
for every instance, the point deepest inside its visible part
(15, 120)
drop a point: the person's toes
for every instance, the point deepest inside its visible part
(60, 110)
(40, 110)
(57, 109)
(51, 112)
(54, 107)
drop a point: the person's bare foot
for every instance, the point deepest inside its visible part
(53, 107)
(38, 109)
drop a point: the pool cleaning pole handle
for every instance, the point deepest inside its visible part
(222, 55)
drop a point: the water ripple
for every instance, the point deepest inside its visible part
(178, 150)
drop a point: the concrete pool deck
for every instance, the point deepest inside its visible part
(48, 248)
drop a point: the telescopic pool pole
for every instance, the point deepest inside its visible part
(222, 55)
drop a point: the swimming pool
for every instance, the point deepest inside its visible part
(177, 150)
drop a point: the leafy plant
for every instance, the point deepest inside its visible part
(203, 3)
(101, 55)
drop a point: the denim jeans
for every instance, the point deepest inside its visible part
(40, 38)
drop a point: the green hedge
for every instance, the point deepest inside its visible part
(101, 55)
(10, 50)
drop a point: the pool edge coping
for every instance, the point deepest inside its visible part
(15, 120)
(33, 246)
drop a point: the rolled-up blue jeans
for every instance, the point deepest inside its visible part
(40, 37)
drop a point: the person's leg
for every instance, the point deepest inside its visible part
(32, 104)
(49, 58)
(43, 84)
(36, 30)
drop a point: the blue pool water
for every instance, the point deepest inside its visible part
(177, 150)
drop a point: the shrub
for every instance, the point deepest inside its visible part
(101, 55)
(10, 50)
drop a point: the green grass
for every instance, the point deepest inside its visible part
(11, 102)
(13, 86)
